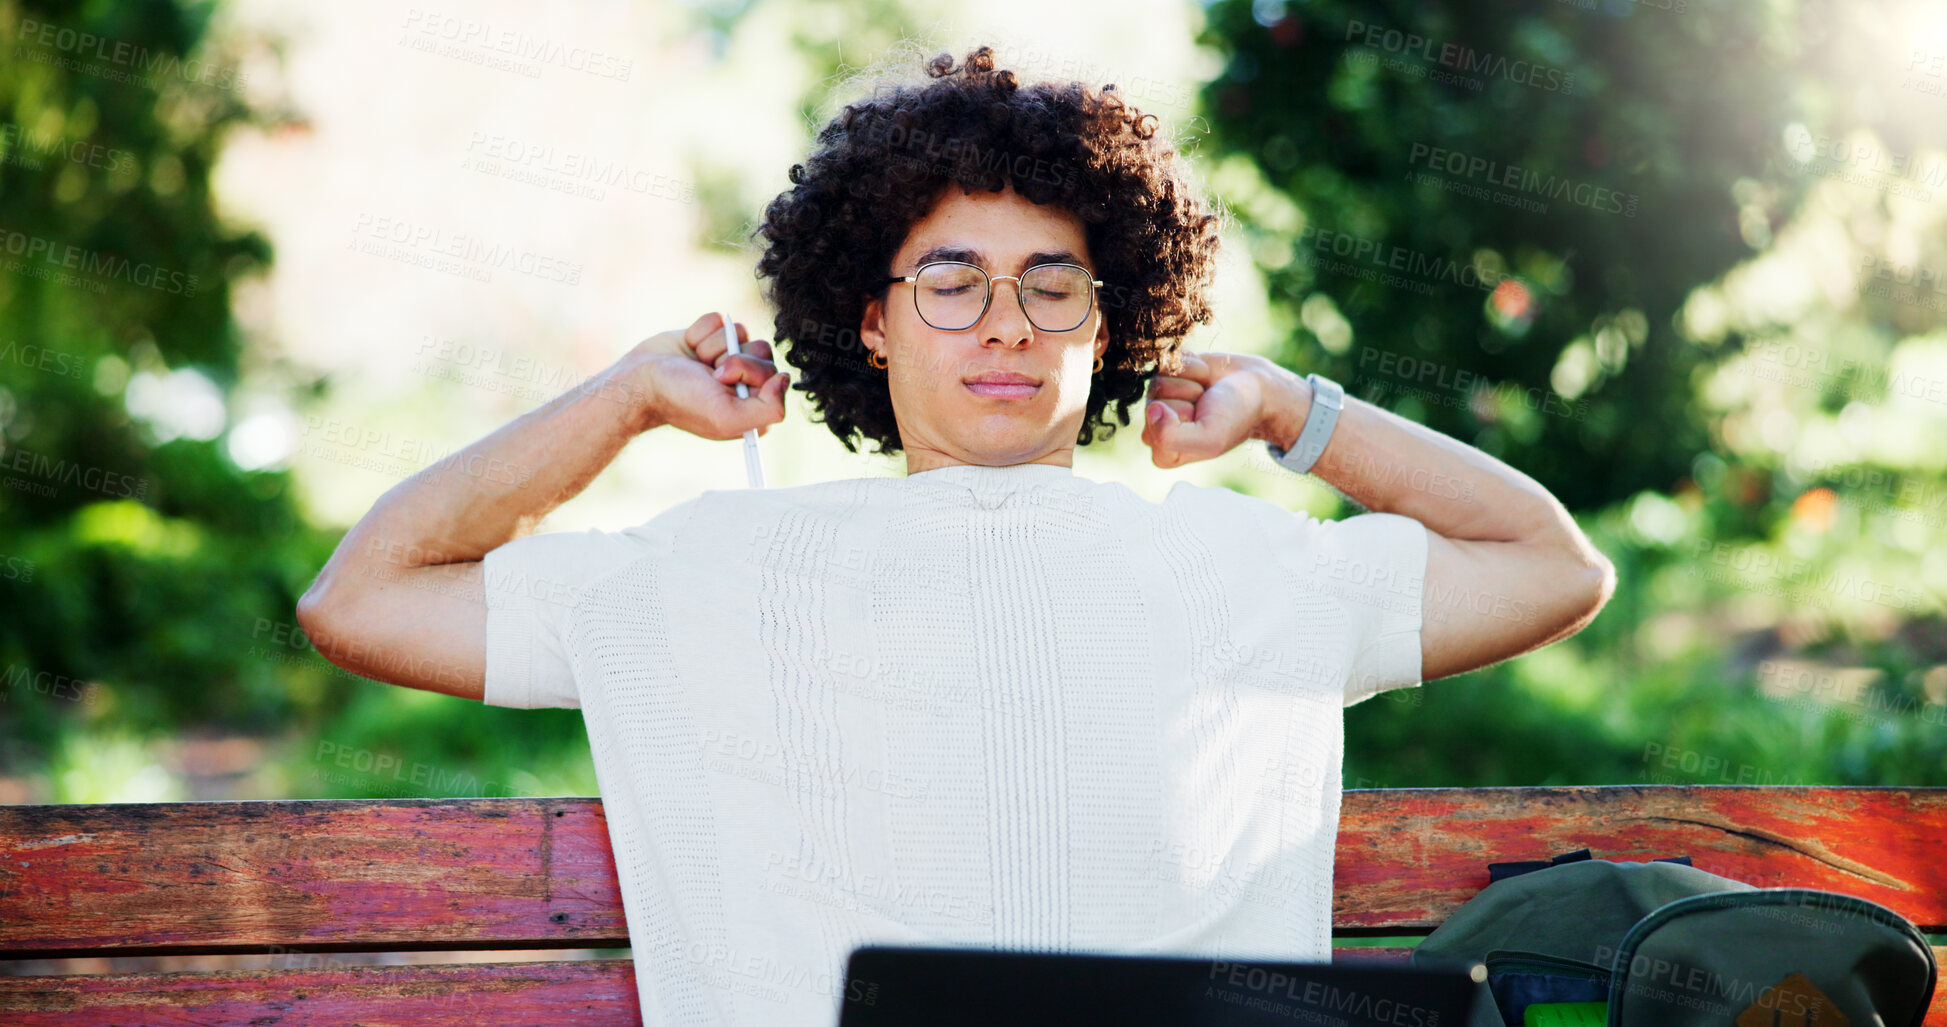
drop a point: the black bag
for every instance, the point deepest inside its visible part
(1667, 945)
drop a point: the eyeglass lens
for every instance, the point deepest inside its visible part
(951, 296)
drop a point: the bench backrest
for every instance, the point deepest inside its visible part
(526, 873)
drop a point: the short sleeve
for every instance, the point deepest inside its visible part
(1374, 564)
(534, 586)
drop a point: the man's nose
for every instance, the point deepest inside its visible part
(1005, 322)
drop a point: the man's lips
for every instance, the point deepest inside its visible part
(1003, 385)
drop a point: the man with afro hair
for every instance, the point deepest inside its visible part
(990, 702)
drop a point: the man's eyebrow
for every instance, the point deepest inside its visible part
(968, 256)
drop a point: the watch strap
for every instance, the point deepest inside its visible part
(1328, 398)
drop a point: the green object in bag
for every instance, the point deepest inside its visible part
(1567, 1014)
(1669, 945)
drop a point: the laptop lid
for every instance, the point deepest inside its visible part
(900, 986)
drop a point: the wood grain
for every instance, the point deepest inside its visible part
(592, 993)
(1408, 857)
(365, 875)
(312, 876)
(595, 993)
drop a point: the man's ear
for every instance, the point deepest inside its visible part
(872, 326)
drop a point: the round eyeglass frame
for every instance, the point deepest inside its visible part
(1093, 284)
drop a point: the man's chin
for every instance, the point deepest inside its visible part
(997, 447)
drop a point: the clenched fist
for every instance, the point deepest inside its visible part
(692, 381)
(1217, 400)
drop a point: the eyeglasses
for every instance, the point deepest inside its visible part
(953, 296)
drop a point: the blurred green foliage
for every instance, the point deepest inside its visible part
(144, 547)
(1603, 170)
(1612, 346)
(135, 555)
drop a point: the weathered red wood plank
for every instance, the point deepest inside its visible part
(528, 873)
(596, 993)
(313, 875)
(1370, 954)
(1408, 857)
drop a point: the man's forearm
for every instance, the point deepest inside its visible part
(499, 488)
(1392, 465)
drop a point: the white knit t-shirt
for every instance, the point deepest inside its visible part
(1004, 707)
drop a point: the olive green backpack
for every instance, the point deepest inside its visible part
(1662, 944)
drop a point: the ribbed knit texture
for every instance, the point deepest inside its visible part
(1006, 707)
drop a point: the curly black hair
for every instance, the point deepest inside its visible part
(879, 167)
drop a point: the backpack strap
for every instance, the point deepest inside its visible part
(1502, 871)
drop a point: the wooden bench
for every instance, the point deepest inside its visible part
(504, 874)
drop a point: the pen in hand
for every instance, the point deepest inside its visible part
(752, 468)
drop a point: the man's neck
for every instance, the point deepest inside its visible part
(920, 460)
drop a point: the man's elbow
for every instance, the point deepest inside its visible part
(321, 615)
(1605, 584)
(1585, 579)
(1597, 578)
(310, 609)
(314, 605)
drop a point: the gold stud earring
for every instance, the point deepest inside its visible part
(877, 359)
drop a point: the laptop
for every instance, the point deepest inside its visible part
(900, 986)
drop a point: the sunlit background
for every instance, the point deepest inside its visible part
(1683, 262)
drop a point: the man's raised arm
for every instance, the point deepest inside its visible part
(1507, 571)
(402, 598)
